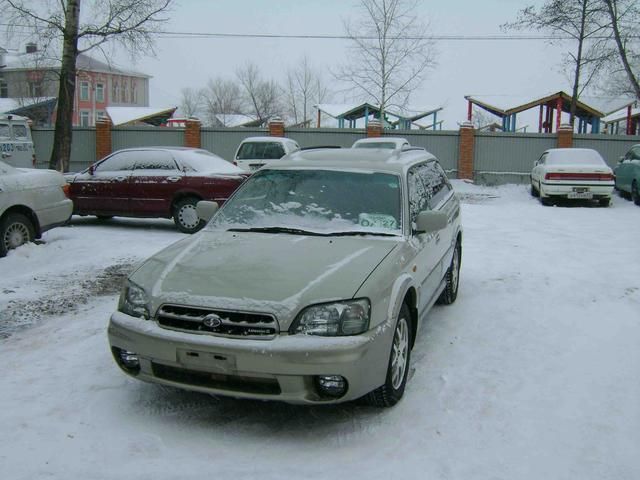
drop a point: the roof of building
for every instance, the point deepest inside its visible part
(621, 115)
(236, 120)
(11, 105)
(84, 62)
(128, 115)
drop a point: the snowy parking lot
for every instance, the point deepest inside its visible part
(534, 373)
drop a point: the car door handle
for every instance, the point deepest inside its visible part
(119, 179)
(437, 237)
(174, 179)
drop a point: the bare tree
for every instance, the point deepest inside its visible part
(581, 20)
(390, 52)
(190, 102)
(130, 22)
(305, 87)
(624, 16)
(261, 96)
(221, 97)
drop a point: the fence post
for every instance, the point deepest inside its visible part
(374, 129)
(103, 138)
(565, 136)
(466, 151)
(192, 133)
(276, 127)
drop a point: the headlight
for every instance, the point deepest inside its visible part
(350, 317)
(134, 301)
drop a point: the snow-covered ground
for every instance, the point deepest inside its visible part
(534, 373)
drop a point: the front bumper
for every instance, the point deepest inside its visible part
(55, 215)
(557, 189)
(280, 369)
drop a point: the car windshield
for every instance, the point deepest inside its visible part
(576, 157)
(315, 201)
(260, 151)
(388, 145)
(203, 161)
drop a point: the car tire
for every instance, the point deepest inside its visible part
(604, 202)
(452, 277)
(546, 201)
(15, 229)
(392, 390)
(534, 191)
(185, 216)
(635, 194)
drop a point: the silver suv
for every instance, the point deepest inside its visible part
(308, 286)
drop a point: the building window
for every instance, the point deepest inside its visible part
(100, 92)
(125, 92)
(84, 91)
(4, 89)
(85, 118)
(134, 92)
(100, 114)
(35, 89)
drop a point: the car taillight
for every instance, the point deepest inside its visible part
(66, 188)
(601, 177)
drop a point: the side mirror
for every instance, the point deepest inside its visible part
(429, 221)
(92, 170)
(621, 159)
(206, 210)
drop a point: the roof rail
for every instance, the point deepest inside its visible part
(320, 147)
(408, 149)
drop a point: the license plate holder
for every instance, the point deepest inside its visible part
(209, 361)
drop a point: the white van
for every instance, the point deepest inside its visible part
(16, 146)
(255, 152)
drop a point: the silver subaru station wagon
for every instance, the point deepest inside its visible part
(308, 286)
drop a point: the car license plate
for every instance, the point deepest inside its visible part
(214, 362)
(580, 195)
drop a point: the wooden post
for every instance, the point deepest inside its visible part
(103, 138)
(466, 151)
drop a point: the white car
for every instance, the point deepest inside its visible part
(391, 143)
(256, 152)
(31, 202)
(572, 173)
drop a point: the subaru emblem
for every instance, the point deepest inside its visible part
(212, 321)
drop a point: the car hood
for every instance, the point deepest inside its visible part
(269, 273)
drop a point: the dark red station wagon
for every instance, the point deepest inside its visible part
(158, 182)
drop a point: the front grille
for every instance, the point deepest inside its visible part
(232, 383)
(217, 322)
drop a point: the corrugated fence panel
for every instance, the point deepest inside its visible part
(224, 141)
(443, 144)
(610, 147)
(131, 137)
(83, 147)
(508, 157)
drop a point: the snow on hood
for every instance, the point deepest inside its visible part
(270, 273)
(28, 178)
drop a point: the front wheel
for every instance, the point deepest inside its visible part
(450, 292)
(15, 230)
(185, 216)
(391, 392)
(635, 194)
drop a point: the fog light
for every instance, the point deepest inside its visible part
(333, 386)
(128, 361)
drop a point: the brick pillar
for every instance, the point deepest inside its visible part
(192, 134)
(465, 151)
(374, 129)
(103, 138)
(565, 136)
(276, 127)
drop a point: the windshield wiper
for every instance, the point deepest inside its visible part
(354, 233)
(292, 231)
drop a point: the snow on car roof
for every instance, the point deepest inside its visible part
(375, 160)
(382, 139)
(267, 139)
(574, 156)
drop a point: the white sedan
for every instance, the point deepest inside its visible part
(31, 202)
(572, 173)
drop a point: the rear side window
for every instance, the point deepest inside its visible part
(4, 131)
(428, 187)
(118, 162)
(20, 132)
(260, 151)
(154, 160)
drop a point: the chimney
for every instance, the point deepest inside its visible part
(31, 48)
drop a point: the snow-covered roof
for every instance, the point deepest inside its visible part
(13, 117)
(608, 105)
(502, 105)
(84, 62)
(621, 115)
(11, 104)
(127, 115)
(336, 110)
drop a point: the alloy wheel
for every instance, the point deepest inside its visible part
(15, 235)
(399, 353)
